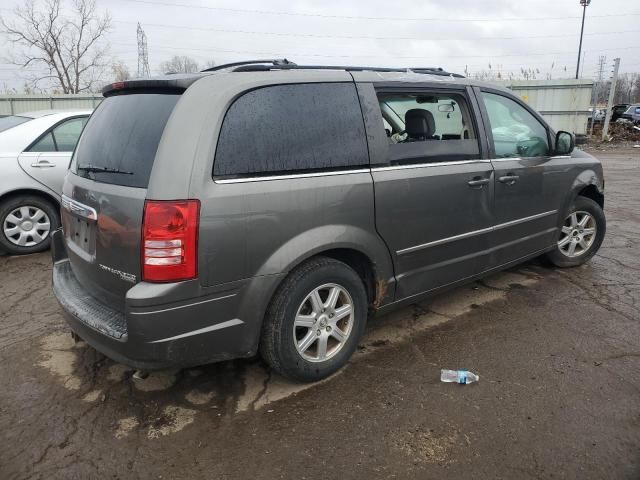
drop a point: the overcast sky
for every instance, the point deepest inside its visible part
(507, 34)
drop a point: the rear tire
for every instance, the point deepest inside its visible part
(26, 224)
(307, 337)
(576, 245)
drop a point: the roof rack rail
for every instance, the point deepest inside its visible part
(275, 62)
(261, 66)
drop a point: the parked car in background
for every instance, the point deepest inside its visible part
(35, 149)
(266, 208)
(618, 110)
(632, 113)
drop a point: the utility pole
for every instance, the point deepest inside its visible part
(596, 90)
(612, 92)
(585, 4)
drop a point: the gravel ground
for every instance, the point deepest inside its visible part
(557, 351)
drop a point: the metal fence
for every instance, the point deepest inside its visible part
(16, 104)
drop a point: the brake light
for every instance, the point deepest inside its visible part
(170, 240)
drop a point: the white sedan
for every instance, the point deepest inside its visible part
(35, 150)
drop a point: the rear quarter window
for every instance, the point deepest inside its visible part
(292, 128)
(123, 135)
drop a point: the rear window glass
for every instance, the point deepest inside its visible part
(292, 128)
(9, 122)
(120, 141)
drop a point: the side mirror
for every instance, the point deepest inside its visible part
(565, 142)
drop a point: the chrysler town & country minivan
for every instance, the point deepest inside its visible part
(266, 207)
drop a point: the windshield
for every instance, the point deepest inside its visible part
(9, 122)
(120, 141)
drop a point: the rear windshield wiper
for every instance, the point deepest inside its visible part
(91, 168)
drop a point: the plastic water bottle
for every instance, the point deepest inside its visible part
(458, 376)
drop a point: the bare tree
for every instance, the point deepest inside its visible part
(628, 88)
(179, 64)
(68, 47)
(120, 72)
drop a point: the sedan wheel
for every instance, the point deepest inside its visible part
(27, 226)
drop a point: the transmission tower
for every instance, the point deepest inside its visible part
(143, 54)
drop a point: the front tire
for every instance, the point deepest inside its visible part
(315, 320)
(581, 234)
(26, 223)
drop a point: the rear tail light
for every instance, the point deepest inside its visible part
(170, 240)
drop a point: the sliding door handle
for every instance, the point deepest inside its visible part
(478, 182)
(508, 179)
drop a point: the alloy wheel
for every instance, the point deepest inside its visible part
(323, 323)
(578, 234)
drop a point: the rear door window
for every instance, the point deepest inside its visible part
(68, 133)
(61, 138)
(119, 144)
(428, 126)
(292, 128)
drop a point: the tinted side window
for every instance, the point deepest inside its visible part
(292, 128)
(68, 133)
(516, 133)
(428, 127)
(45, 144)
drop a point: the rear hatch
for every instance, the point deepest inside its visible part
(103, 197)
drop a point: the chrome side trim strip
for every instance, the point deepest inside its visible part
(473, 233)
(525, 219)
(217, 326)
(182, 306)
(507, 159)
(431, 164)
(444, 240)
(78, 208)
(267, 178)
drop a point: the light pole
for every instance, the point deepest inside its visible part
(585, 4)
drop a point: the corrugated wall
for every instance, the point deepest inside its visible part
(15, 104)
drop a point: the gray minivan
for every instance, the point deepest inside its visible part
(269, 207)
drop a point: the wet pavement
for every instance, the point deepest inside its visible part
(557, 351)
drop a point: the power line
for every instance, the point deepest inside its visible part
(367, 37)
(303, 54)
(355, 17)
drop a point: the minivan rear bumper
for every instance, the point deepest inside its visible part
(158, 329)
